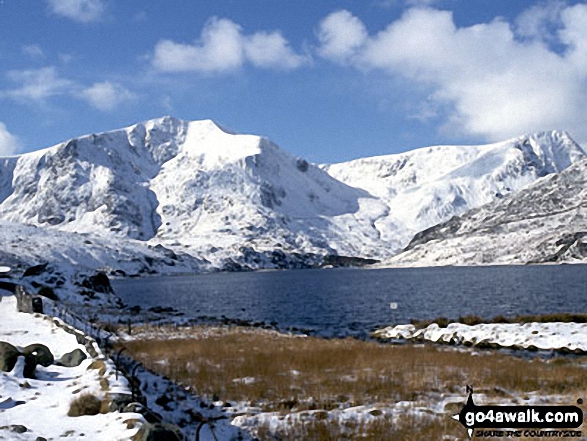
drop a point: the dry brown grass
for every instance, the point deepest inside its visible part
(85, 404)
(294, 373)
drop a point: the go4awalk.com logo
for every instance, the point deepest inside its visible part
(520, 421)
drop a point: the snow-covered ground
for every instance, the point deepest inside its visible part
(41, 405)
(543, 336)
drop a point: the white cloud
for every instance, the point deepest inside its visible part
(37, 84)
(490, 82)
(219, 49)
(340, 35)
(223, 47)
(9, 144)
(83, 11)
(34, 52)
(271, 50)
(106, 96)
(538, 20)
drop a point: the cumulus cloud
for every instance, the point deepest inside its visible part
(83, 11)
(271, 50)
(223, 47)
(540, 20)
(340, 35)
(9, 143)
(490, 81)
(106, 95)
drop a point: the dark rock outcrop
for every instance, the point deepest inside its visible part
(8, 356)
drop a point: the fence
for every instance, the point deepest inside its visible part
(99, 341)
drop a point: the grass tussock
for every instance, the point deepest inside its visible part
(98, 365)
(85, 404)
(472, 320)
(284, 373)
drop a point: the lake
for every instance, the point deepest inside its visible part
(340, 302)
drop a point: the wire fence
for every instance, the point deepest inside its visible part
(89, 330)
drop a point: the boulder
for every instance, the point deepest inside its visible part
(36, 270)
(99, 282)
(73, 359)
(40, 353)
(8, 356)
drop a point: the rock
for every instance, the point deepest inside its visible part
(8, 286)
(302, 165)
(36, 270)
(40, 353)
(347, 261)
(73, 359)
(47, 291)
(170, 254)
(18, 428)
(99, 282)
(133, 408)
(160, 432)
(118, 402)
(8, 356)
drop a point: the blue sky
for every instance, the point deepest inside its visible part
(329, 81)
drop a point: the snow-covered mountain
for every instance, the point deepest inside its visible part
(545, 222)
(200, 190)
(430, 185)
(192, 186)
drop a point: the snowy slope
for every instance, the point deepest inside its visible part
(41, 405)
(189, 185)
(22, 246)
(545, 222)
(223, 191)
(430, 185)
(200, 190)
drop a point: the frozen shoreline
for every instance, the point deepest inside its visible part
(567, 337)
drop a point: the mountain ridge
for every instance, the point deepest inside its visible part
(198, 188)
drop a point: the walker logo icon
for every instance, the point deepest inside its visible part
(474, 417)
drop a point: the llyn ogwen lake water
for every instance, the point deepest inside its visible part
(353, 301)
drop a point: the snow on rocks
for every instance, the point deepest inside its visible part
(543, 336)
(426, 186)
(38, 407)
(202, 192)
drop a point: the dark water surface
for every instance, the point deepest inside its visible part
(353, 301)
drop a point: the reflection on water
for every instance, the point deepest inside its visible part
(352, 301)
